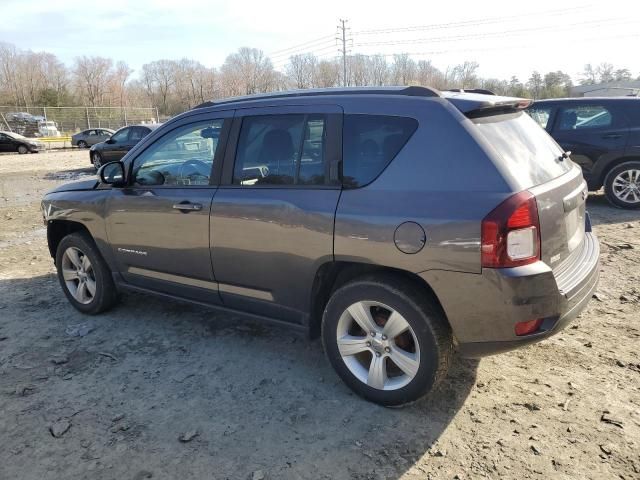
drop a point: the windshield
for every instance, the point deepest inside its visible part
(530, 155)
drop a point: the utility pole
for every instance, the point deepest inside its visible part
(343, 27)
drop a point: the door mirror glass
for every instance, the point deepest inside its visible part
(111, 173)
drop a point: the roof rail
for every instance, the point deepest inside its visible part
(412, 91)
(482, 91)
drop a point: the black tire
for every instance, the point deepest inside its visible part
(106, 294)
(23, 149)
(425, 318)
(96, 159)
(609, 188)
(82, 144)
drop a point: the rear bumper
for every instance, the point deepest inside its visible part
(484, 309)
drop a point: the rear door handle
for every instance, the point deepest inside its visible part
(612, 135)
(188, 206)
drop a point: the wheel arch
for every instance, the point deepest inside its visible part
(613, 164)
(58, 229)
(332, 275)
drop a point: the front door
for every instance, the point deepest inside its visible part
(158, 226)
(116, 147)
(272, 217)
(590, 132)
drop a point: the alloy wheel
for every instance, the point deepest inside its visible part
(378, 345)
(626, 186)
(78, 275)
(96, 160)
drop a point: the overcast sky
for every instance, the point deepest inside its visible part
(504, 36)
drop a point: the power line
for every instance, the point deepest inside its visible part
(464, 23)
(505, 47)
(295, 47)
(567, 26)
(317, 53)
(290, 53)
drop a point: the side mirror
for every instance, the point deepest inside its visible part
(111, 173)
(111, 141)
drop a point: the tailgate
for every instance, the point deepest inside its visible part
(561, 209)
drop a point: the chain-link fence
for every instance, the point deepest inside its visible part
(62, 122)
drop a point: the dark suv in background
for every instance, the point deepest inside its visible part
(119, 144)
(603, 135)
(397, 223)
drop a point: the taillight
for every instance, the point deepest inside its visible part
(511, 233)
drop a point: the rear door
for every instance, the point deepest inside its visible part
(272, 218)
(592, 132)
(158, 225)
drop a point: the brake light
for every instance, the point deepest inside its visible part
(511, 233)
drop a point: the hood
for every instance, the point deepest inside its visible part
(75, 186)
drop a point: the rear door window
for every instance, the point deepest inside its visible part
(370, 143)
(584, 117)
(531, 156)
(286, 149)
(137, 133)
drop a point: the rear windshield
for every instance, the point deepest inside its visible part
(529, 153)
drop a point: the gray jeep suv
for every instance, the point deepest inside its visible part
(400, 224)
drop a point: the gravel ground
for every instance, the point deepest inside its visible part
(165, 390)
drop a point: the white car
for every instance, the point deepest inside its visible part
(48, 128)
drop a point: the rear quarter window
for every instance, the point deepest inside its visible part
(370, 142)
(527, 151)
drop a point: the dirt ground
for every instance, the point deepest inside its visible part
(165, 390)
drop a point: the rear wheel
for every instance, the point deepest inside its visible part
(22, 149)
(84, 275)
(386, 339)
(96, 159)
(622, 185)
(82, 144)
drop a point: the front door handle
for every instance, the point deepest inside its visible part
(188, 206)
(612, 135)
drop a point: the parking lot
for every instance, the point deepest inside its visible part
(161, 389)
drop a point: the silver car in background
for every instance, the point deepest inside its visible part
(90, 137)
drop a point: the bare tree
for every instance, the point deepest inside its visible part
(403, 69)
(377, 70)
(357, 71)
(327, 74)
(605, 72)
(589, 75)
(92, 75)
(158, 78)
(302, 70)
(248, 71)
(465, 74)
(429, 75)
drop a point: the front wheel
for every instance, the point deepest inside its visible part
(84, 275)
(22, 149)
(622, 185)
(386, 339)
(82, 144)
(96, 159)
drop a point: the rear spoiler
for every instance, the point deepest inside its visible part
(480, 105)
